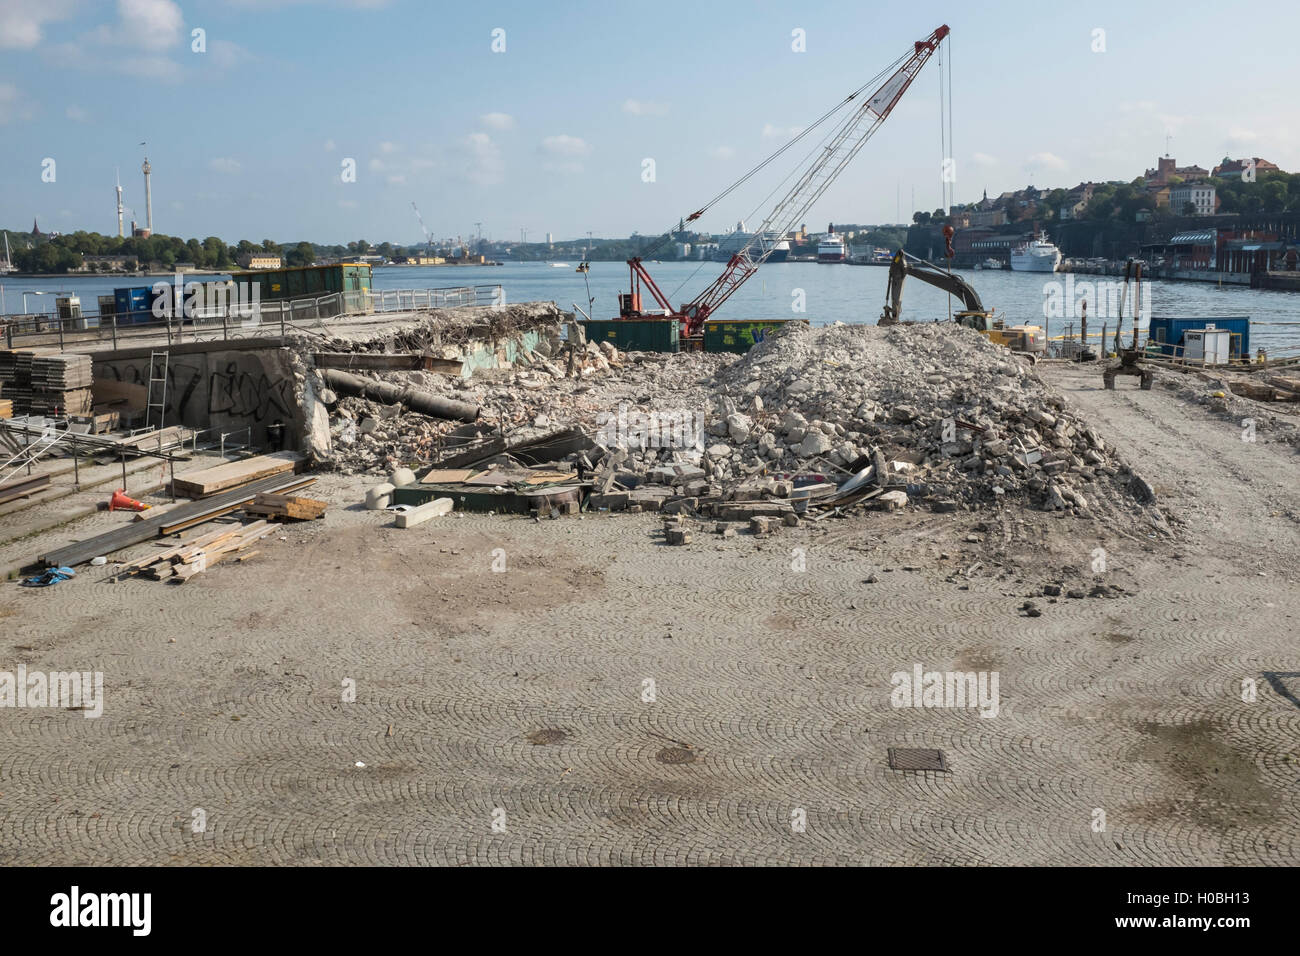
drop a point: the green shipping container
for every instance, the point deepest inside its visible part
(740, 335)
(635, 335)
(307, 281)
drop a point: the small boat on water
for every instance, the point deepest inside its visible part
(559, 265)
(583, 266)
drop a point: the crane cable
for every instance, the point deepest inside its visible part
(797, 169)
(869, 84)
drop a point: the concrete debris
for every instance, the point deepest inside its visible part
(927, 415)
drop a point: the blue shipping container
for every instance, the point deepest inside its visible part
(1165, 336)
(134, 304)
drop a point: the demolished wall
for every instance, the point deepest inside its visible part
(230, 390)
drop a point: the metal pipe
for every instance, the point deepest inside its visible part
(417, 400)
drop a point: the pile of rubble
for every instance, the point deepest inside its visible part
(931, 415)
(958, 419)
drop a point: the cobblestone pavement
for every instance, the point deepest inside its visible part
(610, 699)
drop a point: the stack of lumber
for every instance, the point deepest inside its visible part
(182, 562)
(234, 474)
(61, 384)
(170, 522)
(39, 383)
(286, 507)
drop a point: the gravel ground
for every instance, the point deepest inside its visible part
(610, 699)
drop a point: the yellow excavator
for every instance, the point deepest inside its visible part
(1027, 339)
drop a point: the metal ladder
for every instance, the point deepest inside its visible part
(156, 380)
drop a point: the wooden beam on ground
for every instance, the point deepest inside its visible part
(234, 474)
(178, 519)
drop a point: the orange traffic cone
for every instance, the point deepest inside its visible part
(120, 502)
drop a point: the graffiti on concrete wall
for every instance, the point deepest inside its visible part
(241, 394)
(183, 379)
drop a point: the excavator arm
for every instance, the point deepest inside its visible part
(904, 266)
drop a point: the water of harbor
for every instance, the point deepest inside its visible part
(828, 293)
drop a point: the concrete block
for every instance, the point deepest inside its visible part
(761, 525)
(422, 513)
(890, 501)
(677, 536)
(679, 505)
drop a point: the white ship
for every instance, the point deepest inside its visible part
(1037, 255)
(831, 248)
(776, 248)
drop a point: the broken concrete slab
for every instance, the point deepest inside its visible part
(422, 513)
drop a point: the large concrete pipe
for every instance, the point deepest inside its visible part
(417, 400)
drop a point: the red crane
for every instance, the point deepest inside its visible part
(823, 165)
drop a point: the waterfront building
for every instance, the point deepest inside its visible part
(260, 260)
(1199, 195)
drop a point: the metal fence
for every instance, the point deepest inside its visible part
(274, 319)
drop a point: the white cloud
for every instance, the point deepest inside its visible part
(1049, 160)
(21, 21)
(76, 114)
(224, 164)
(781, 132)
(498, 121)
(984, 159)
(387, 147)
(565, 145)
(329, 146)
(722, 152)
(644, 108)
(153, 24)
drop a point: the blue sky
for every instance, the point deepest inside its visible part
(247, 138)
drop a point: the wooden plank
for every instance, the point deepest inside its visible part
(234, 474)
(446, 476)
(22, 487)
(185, 516)
(184, 572)
(226, 509)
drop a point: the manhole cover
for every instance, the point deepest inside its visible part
(917, 758)
(675, 755)
(550, 735)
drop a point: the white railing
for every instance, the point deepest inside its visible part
(271, 319)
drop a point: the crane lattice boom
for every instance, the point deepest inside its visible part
(841, 145)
